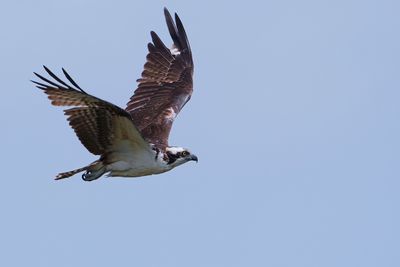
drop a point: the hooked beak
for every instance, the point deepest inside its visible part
(194, 157)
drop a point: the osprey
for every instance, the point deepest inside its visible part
(132, 142)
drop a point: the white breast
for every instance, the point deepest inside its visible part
(130, 161)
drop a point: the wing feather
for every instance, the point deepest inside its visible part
(166, 84)
(94, 120)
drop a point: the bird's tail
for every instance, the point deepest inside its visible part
(93, 171)
(63, 175)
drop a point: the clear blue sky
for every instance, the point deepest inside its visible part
(294, 118)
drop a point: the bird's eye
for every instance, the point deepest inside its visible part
(185, 153)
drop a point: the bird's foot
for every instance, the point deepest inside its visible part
(90, 176)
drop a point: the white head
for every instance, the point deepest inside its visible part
(178, 156)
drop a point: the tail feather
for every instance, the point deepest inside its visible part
(64, 175)
(93, 171)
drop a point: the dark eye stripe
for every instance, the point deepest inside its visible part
(173, 157)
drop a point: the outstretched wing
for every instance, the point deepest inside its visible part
(97, 123)
(165, 86)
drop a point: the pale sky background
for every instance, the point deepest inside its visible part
(294, 118)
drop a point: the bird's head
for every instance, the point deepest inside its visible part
(178, 156)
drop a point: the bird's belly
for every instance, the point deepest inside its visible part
(135, 167)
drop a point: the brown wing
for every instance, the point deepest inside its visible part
(166, 84)
(94, 121)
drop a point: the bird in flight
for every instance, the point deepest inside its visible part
(132, 142)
